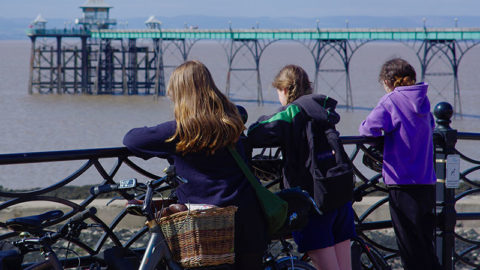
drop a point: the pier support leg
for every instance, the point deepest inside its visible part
(159, 71)
(431, 49)
(32, 61)
(321, 50)
(85, 76)
(255, 48)
(59, 66)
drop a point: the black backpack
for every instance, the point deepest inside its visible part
(329, 165)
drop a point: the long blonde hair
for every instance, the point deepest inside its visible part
(295, 80)
(206, 119)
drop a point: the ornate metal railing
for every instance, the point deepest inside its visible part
(453, 247)
(92, 159)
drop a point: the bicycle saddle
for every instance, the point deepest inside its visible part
(32, 223)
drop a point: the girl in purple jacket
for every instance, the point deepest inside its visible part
(403, 116)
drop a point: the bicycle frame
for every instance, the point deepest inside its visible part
(157, 251)
(51, 262)
(157, 248)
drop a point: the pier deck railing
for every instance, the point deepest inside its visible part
(284, 34)
(453, 248)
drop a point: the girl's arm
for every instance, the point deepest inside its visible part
(377, 121)
(148, 142)
(269, 131)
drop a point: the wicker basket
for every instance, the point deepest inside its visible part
(201, 237)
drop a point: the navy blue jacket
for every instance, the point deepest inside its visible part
(287, 130)
(212, 179)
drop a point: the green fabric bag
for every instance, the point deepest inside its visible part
(274, 208)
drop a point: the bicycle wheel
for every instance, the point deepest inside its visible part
(293, 264)
(367, 257)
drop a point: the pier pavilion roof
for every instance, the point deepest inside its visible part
(152, 19)
(95, 4)
(39, 19)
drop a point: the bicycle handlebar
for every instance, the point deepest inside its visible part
(97, 190)
(83, 215)
(170, 175)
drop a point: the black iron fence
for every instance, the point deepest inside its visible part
(454, 248)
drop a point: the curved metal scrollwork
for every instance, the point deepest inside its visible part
(92, 158)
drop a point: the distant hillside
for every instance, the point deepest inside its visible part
(14, 29)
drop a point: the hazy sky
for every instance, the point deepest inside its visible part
(244, 8)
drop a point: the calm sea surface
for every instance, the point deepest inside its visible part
(32, 123)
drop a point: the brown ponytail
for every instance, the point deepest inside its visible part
(403, 81)
(397, 72)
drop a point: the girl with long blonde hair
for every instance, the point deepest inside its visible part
(196, 142)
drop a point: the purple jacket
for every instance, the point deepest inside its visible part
(407, 123)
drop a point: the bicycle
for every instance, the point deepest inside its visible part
(35, 238)
(300, 205)
(157, 254)
(364, 254)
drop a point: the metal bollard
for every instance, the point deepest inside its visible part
(444, 139)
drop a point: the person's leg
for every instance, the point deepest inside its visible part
(343, 253)
(316, 239)
(411, 210)
(343, 231)
(426, 225)
(332, 258)
(324, 258)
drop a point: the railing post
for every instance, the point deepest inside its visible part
(444, 138)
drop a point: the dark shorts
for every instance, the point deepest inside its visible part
(326, 230)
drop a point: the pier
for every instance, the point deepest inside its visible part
(95, 58)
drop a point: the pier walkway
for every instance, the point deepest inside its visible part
(458, 34)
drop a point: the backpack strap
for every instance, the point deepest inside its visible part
(322, 117)
(333, 138)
